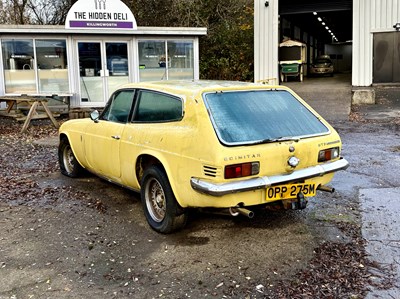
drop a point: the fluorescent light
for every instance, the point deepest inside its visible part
(326, 27)
(319, 19)
(314, 13)
(323, 23)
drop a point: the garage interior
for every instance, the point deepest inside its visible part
(324, 26)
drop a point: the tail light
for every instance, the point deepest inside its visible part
(241, 170)
(328, 154)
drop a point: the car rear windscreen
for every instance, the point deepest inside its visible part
(245, 117)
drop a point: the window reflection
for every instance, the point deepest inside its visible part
(117, 65)
(181, 55)
(163, 60)
(52, 66)
(152, 60)
(91, 82)
(19, 66)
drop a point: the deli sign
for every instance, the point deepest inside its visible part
(95, 14)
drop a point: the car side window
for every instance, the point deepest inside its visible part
(119, 108)
(158, 107)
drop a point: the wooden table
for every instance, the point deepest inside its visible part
(33, 102)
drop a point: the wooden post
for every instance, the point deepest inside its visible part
(53, 120)
(29, 116)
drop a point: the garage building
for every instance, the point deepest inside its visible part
(370, 49)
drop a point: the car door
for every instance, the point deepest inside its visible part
(102, 140)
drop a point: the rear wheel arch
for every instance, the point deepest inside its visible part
(145, 161)
(162, 210)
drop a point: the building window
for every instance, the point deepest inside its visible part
(182, 61)
(52, 66)
(19, 66)
(165, 60)
(35, 66)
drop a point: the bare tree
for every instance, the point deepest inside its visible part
(51, 12)
(14, 12)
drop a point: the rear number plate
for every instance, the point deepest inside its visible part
(289, 191)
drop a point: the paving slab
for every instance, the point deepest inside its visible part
(381, 230)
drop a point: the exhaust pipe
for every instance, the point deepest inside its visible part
(235, 211)
(326, 189)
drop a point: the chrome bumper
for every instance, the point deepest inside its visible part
(266, 181)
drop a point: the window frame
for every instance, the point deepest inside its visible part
(37, 89)
(137, 103)
(166, 42)
(112, 98)
(259, 141)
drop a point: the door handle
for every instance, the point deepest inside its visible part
(116, 137)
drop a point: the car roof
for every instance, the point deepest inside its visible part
(325, 56)
(197, 86)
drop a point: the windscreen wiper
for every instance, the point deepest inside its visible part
(278, 139)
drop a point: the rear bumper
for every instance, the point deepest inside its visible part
(321, 71)
(266, 181)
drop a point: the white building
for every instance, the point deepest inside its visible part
(99, 48)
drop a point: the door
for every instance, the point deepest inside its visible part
(386, 57)
(103, 138)
(102, 144)
(103, 66)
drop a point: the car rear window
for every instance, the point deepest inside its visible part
(243, 117)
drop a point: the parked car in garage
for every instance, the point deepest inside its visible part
(209, 144)
(322, 65)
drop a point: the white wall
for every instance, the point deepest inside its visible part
(266, 41)
(370, 16)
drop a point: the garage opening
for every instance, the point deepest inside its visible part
(324, 29)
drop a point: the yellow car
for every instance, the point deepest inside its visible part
(213, 144)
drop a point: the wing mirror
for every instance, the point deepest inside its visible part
(94, 115)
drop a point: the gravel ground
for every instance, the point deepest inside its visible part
(65, 238)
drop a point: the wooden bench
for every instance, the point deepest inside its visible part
(33, 102)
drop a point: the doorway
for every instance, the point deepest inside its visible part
(103, 66)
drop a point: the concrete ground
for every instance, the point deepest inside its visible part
(380, 205)
(329, 96)
(387, 107)
(380, 227)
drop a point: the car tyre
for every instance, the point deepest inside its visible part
(161, 209)
(69, 165)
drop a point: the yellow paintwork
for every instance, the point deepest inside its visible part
(185, 147)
